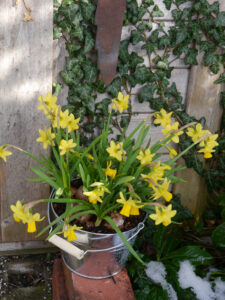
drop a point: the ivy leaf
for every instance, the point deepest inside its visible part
(87, 10)
(135, 60)
(72, 47)
(69, 11)
(209, 58)
(141, 74)
(57, 32)
(181, 35)
(89, 42)
(194, 254)
(191, 57)
(218, 235)
(68, 77)
(215, 68)
(136, 37)
(147, 92)
(156, 12)
(220, 19)
(123, 53)
(78, 33)
(90, 70)
(221, 79)
(115, 87)
(168, 3)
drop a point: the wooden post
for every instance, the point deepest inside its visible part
(203, 100)
(25, 73)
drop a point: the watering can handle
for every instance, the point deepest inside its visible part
(66, 246)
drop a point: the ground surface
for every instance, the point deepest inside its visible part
(26, 277)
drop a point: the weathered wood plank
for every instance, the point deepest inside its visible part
(203, 99)
(25, 73)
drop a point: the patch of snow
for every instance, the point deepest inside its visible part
(156, 271)
(219, 289)
(188, 279)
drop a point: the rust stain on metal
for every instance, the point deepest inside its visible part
(109, 20)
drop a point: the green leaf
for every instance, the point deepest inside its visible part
(115, 87)
(136, 37)
(127, 244)
(156, 12)
(90, 70)
(141, 74)
(218, 235)
(220, 19)
(123, 53)
(87, 10)
(194, 254)
(221, 79)
(57, 32)
(123, 180)
(77, 32)
(168, 3)
(89, 42)
(147, 92)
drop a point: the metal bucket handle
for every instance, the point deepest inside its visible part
(64, 244)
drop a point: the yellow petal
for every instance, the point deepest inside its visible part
(31, 227)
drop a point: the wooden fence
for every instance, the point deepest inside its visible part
(30, 61)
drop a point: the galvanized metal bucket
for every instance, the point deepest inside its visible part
(95, 255)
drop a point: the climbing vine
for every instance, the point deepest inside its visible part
(198, 28)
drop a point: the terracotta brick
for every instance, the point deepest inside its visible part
(58, 281)
(117, 287)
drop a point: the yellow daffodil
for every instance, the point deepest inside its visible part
(163, 118)
(68, 121)
(46, 137)
(21, 214)
(156, 173)
(68, 232)
(130, 206)
(4, 152)
(163, 215)
(145, 157)
(94, 196)
(110, 172)
(116, 150)
(18, 210)
(31, 219)
(100, 187)
(172, 152)
(66, 146)
(196, 132)
(170, 128)
(121, 102)
(161, 190)
(208, 145)
(48, 103)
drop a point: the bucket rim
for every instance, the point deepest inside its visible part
(140, 224)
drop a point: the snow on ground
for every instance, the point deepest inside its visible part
(157, 273)
(203, 288)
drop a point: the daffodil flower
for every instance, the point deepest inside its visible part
(130, 206)
(162, 118)
(156, 173)
(208, 145)
(68, 232)
(66, 146)
(163, 215)
(172, 152)
(100, 187)
(170, 128)
(48, 103)
(116, 150)
(161, 190)
(110, 172)
(4, 152)
(21, 214)
(31, 221)
(46, 137)
(145, 157)
(68, 121)
(121, 102)
(94, 196)
(196, 132)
